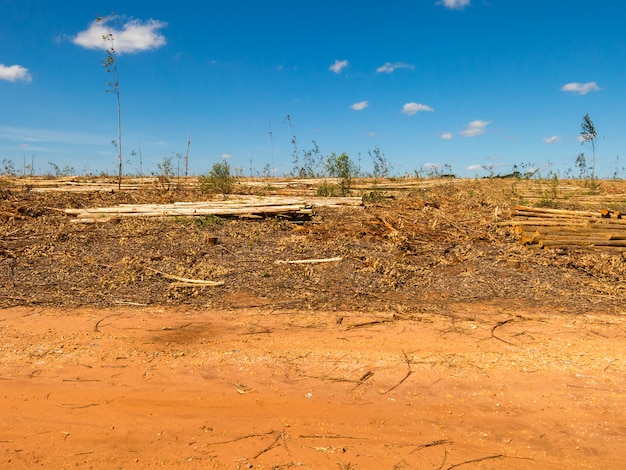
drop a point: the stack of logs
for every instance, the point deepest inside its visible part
(251, 207)
(603, 230)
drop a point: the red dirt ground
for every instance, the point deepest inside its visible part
(481, 386)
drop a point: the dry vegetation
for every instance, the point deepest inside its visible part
(412, 245)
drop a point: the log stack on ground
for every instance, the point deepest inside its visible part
(603, 230)
(237, 206)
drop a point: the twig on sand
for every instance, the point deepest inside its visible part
(370, 323)
(438, 442)
(275, 443)
(406, 376)
(104, 318)
(467, 462)
(364, 378)
(498, 325)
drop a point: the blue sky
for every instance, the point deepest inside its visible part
(464, 83)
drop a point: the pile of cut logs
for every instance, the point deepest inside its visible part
(252, 207)
(603, 230)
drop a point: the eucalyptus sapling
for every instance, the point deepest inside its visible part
(110, 64)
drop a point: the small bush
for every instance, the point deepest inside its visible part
(209, 220)
(327, 190)
(344, 169)
(218, 181)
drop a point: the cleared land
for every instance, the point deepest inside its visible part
(415, 331)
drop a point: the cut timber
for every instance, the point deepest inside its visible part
(595, 243)
(545, 211)
(520, 221)
(603, 230)
(239, 206)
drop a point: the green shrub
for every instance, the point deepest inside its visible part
(343, 168)
(218, 181)
(327, 190)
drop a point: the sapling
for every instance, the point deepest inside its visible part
(110, 64)
(296, 161)
(589, 135)
(187, 155)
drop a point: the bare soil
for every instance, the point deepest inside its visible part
(436, 342)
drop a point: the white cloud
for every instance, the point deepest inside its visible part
(475, 128)
(14, 73)
(389, 67)
(359, 106)
(226, 156)
(134, 36)
(430, 166)
(372, 134)
(412, 108)
(338, 66)
(454, 4)
(580, 88)
(446, 135)
(475, 168)
(551, 140)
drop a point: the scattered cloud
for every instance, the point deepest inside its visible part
(226, 156)
(474, 168)
(389, 67)
(412, 108)
(454, 4)
(446, 135)
(475, 128)
(551, 140)
(133, 36)
(359, 106)
(338, 66)
(25, 134)
(580, 88)
(372, 134)
(14, 73)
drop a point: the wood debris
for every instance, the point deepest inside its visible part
(603, 230)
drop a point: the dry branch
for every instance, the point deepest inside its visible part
(187, 281)
(308, 261)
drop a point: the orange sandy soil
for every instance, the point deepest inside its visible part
(481, 386)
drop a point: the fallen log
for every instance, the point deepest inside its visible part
(596, 243)
(562, 212)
